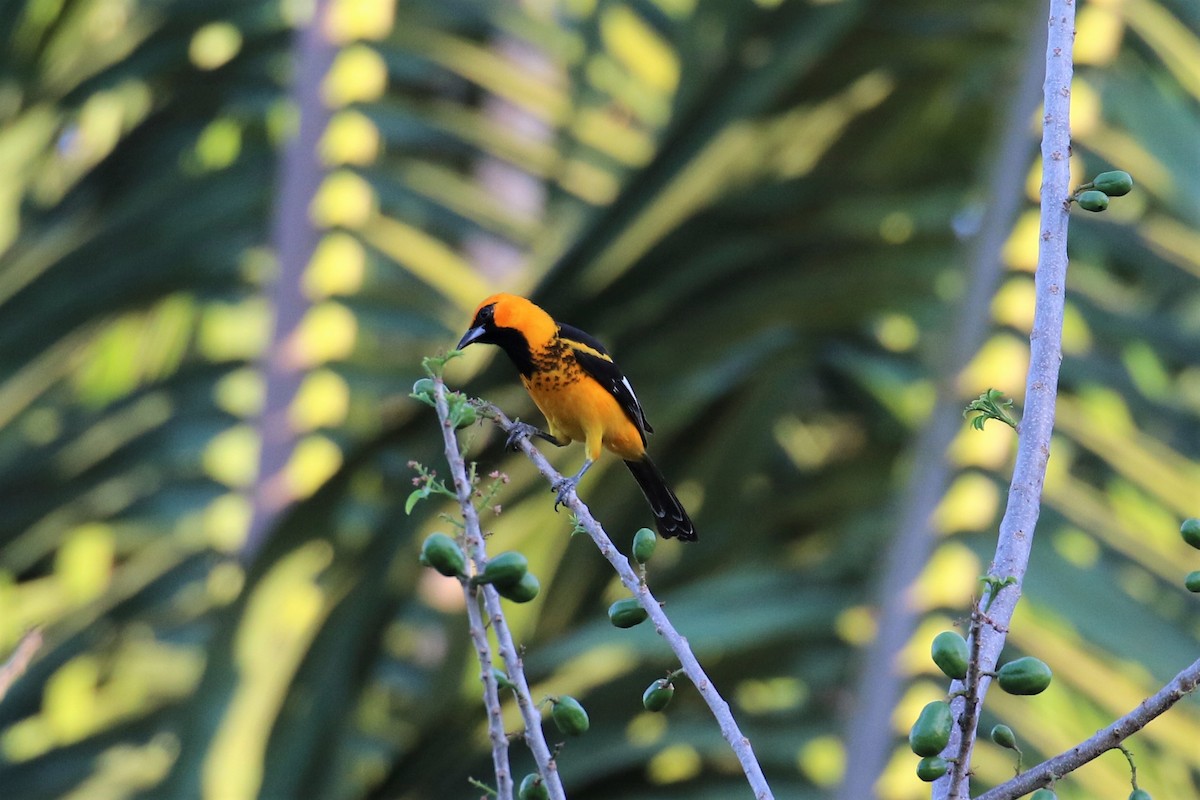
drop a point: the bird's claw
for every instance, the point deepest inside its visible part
(563, 487)
(519, 431)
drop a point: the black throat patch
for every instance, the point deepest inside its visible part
(513, 342)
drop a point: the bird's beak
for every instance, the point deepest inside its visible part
(471, 336)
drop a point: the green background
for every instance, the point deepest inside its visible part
(777, 215)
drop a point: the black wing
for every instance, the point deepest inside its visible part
(582, 337)
(598, 364)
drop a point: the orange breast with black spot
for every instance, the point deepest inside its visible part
(580, 409)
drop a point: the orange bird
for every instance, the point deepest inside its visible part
(582, 393)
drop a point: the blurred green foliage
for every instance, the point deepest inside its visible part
(759, 206)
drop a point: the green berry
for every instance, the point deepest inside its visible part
(569, 716)
(1024, 676)
(1043, 794)
(626, 613)
(931, 732)
(1004, 736)
(949, 651)
(1117, 183)
(443, 554)
(523, 590)
(930, 768)
(533, 788)
(1140, 794)
(1093, 200)
(504, 570)
(1190, 530)
(644, 542)
(658, 695)
(501, 678)
(1192, 581)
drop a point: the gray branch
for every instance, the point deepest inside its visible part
(1037, 423)
(868, 729)
(491, 690)
(534, 735)
(678, 644)
(1107, 739)
(491, 694)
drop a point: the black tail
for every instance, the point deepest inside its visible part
(669, 515)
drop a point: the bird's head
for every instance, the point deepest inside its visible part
(514, 324)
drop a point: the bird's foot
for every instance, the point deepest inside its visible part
(564, 487)
(520, 430)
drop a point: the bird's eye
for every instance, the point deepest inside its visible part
(487, 313)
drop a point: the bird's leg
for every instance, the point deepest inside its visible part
(567, 485)
(523, 430)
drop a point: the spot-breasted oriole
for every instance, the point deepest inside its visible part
(583, 395)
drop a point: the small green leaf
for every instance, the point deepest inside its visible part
(990, 406)
(434, 365)
(424, 386)
(463, 414)
(993, 586)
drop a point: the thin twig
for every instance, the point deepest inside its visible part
(1125, 751)
(18, 661)
(534, 736)
(679, 645)
(972, 701)
(1045, 354)
(869, 735)
(491, 694)
(1107, 739)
